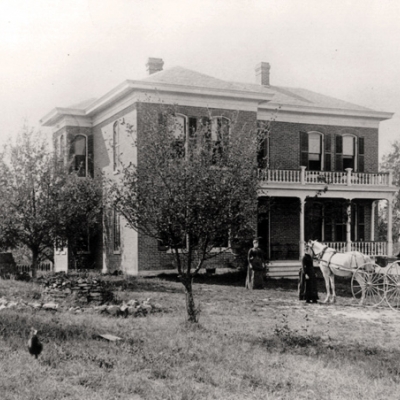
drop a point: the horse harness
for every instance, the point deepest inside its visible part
(328, 262)
(319, 257)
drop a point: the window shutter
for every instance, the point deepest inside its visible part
(361, 166)
(304, 149)
(339, 155)
(328, 151)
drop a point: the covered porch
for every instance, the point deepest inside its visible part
(295, 207)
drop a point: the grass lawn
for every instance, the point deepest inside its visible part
(261, 344)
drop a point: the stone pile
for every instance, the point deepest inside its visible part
(132, 308)
(87, 290)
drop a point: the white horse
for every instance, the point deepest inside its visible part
(333, 263)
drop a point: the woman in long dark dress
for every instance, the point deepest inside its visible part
(256, 267)
(308, 286)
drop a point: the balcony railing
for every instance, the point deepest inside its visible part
(368, 248)
(347, 178)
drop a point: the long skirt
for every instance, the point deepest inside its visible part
(254, 279)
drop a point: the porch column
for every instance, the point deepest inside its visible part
(348, 227)
(301, 244)
(372, 235)
(389, 228)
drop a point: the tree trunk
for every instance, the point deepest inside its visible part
(193, 312)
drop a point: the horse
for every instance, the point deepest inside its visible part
(333, 263)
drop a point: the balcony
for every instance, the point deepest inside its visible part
(347, 178)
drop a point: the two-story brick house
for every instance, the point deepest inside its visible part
(319, 162)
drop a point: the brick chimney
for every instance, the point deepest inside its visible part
(154, 65)
(262, 73)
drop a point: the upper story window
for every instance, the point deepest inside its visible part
(218, 136)
(177, 127)
(349, 153)
(263, 151)
(79, 155)
(116, 149)
(61, 147)
(315, 151)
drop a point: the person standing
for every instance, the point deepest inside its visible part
(256, 267)
(308, 285)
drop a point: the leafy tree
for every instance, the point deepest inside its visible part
(195, 194)
(40, 201)
(391, 162)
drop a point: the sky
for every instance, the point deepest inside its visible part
(55, 53)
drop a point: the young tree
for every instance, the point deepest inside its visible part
(40, 201)
(193, 192)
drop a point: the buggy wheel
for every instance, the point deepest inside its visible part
(392, 287)
(368, 282)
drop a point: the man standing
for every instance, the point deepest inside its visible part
(256, 267)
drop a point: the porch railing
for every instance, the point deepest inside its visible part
(367, 248)
(347, 178)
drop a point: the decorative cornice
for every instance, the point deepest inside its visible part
(324, 111)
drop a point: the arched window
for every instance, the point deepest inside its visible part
(220, 131)
(349, 152)
(177, 127)
(312, 153)
(263, 151)
(315, 151)
(79, 152)
(61, 147)
(116, 150)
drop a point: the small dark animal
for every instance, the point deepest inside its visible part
(34, 345)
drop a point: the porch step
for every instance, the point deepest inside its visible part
(288, 269)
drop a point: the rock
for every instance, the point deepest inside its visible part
(50, 306)
(110, 338)
(133, 303)
(12, 304)
(113, 310)
(133, 311)
(147, 308)
(35, 305)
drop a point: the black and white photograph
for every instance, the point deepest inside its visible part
(199, 200)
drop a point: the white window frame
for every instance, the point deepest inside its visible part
(116, 146)
(86, 152)
(322, 147)
(355, 143)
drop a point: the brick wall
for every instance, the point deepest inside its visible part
(150, 257)
(285, 144)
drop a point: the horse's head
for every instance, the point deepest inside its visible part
(315, 247)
